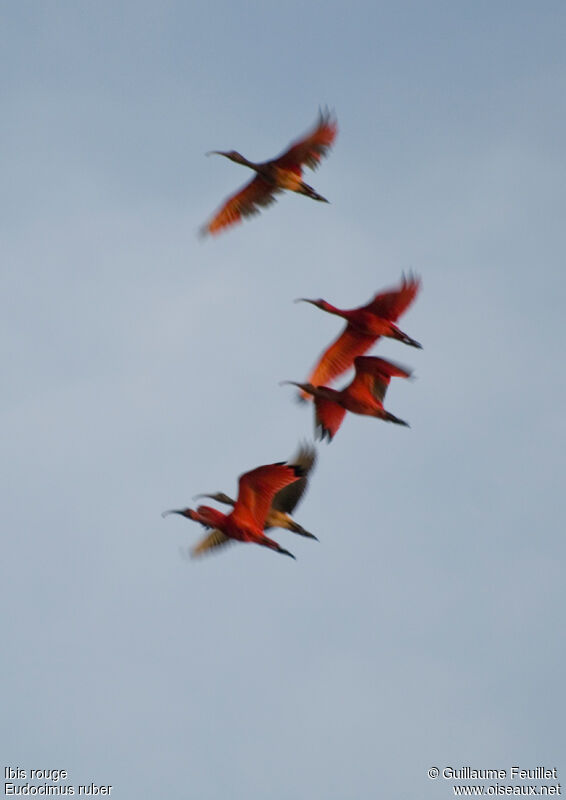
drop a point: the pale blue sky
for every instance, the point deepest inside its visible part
(141, 366)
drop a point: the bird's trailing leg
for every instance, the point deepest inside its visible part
(296, 528)
(396, 333)
(285, 552)
(272, 544)
(392, 418)
(310, 192)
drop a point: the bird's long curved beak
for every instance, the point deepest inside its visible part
(304, 387)
(197, 496)
(172, 511)
(215, 153)
(303, 300)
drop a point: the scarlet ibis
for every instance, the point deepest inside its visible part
(364, 326)
(364, 395)
(286, 499)
(283, 172)
(246, 521)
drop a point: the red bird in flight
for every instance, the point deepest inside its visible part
(246, 521)
(285, 500)
(364, 395)
(364, 326)
(283, 172)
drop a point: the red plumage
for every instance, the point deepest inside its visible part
(364, 326)
(276, 175)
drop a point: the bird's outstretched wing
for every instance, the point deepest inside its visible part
(254, 196)
(374, 374)
(394, 302)
(309, 150)
(339, 357)
(287, 498)
(214, 539)
(257, 488)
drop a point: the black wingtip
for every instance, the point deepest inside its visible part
(324, 433)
